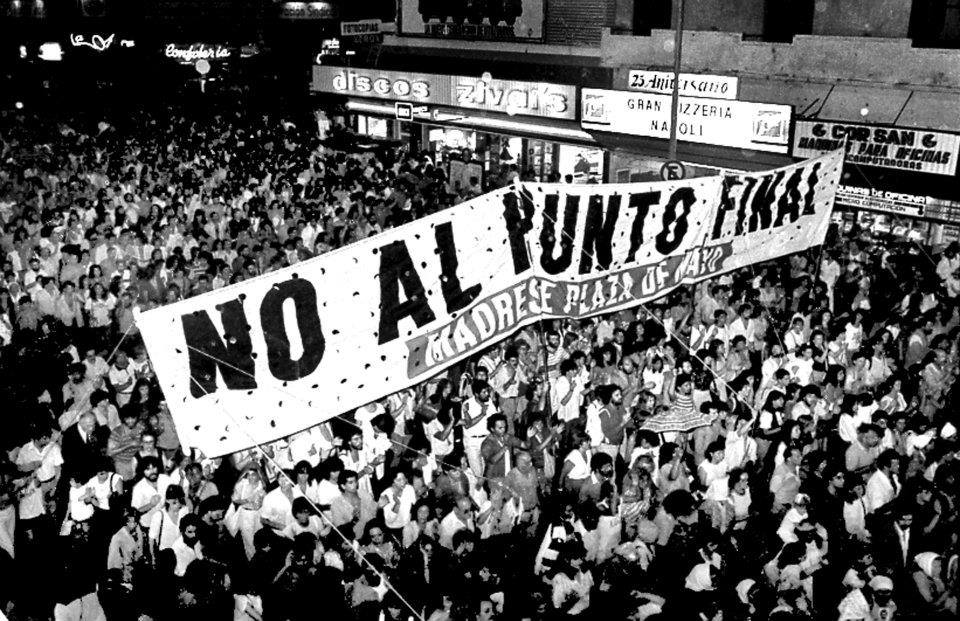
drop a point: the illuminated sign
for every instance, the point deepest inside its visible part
(741, 124)
(361, 28)
(97, 42)
(307, 10)
(541, 99)
(197, 51)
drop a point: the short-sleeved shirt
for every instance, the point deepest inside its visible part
(50, 458)
(143, 491)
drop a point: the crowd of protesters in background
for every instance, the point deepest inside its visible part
(777, 443)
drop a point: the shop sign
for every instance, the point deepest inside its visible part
(541, 99)
(556, 101)
(365, 30)
(900, 148)
(690, 85)
(307, 10)
(491, 20)
(899, 204)
(739, 124)
(197, 51)
(99, 42)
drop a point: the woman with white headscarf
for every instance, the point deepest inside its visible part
(928, 578)
(700, 578)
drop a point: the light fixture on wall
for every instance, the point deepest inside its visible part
(865, 110)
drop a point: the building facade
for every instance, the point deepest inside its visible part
(764, 82)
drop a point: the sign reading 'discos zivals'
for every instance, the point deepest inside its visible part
(557, 101)
(742, 124)
(901, 148)
(274, 355)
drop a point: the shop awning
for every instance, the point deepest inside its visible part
(889, 105)
(705, 155)
(557, 130)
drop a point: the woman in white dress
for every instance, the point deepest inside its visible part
(244, 514)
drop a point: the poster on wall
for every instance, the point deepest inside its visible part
(899, 148)
(271, 356)
(581, 163)
(460, 175)
(481, 20)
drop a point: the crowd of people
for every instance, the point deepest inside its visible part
(777, 443)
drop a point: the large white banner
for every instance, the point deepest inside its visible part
(274, 355)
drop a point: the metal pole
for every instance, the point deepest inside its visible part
(677, 51)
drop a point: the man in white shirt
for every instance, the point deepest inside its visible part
(505, 380)
(564, 396)
(746, 326)
(949, 262)
(39, 461)
(829, 274)
(96, 367)
(476, 410)
(460, 518)
(150, 490)
(276, 511)
(185, 546)
(796, 336)
(439, 435)
(884, 484)
(122, 378)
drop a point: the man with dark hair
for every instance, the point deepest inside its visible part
(862, 453)
(476, 412)
(124, 443)
(565, 392)
(602, 471)
(196, 486)
(149, 491)
(505, 381)
(497, 448)
(883, 486)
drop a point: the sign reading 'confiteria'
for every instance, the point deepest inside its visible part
(197, 51)
(277, 354)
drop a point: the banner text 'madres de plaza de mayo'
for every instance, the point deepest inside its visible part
(268, 357)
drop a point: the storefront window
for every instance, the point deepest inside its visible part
(582, 163)
(373, 127)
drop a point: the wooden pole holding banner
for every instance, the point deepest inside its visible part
(543, 339)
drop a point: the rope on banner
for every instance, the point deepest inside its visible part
(316, 508)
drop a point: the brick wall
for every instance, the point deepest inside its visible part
(577, 22)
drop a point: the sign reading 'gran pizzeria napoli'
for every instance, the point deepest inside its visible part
(188, 54)
(271, 356)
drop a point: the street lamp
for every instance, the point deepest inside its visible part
(677, 50)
